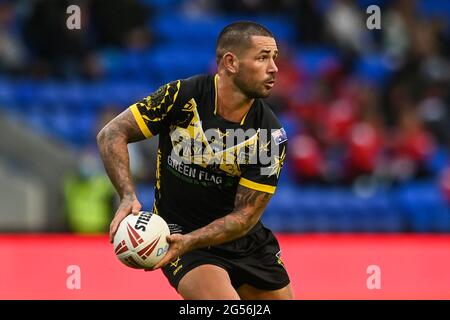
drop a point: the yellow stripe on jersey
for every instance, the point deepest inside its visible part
(245, 116)
(257, 186)
(216, 93)
(137, 116)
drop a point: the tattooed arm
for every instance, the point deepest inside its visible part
(248, 208)
(112, 142)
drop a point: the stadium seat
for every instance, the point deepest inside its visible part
(7, 94)
(439, 8)
(425, 207)
(203, 31)
(375, 68)
(315, 60)
(145, 193)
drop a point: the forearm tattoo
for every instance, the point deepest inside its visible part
(112, 142)
(249, 205)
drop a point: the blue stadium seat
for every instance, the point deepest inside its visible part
(125, 65)
(96, 94)
(26, 92)
(173, 62)
(437, 8)
(438, 161)
(425, 207)
(146, 195)
(283, 28)
(179, 29)
(374, 68)
(73, 94)
(204, 30)
(84, 126)
(314, 60)
(7, 94)
(290, 124)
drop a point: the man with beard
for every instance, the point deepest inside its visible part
(221, 150)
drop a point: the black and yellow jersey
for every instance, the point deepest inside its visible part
(202, 157)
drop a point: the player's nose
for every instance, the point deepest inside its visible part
(272, 67)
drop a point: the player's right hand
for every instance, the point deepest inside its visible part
(129, 204)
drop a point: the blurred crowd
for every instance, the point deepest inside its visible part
(378, 108)
(349, 123)
(37, 44)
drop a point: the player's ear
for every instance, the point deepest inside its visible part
(230, 62)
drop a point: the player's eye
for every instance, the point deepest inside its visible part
(262, 58)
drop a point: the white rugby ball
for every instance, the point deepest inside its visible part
(140, 241)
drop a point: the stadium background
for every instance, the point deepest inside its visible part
(367, 181)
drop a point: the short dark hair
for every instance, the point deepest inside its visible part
(236, 37)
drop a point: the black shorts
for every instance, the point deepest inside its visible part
(254, 259)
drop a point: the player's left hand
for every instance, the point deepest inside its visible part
(177, 247)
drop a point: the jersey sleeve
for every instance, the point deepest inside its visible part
(263, 173)
(153, 113)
